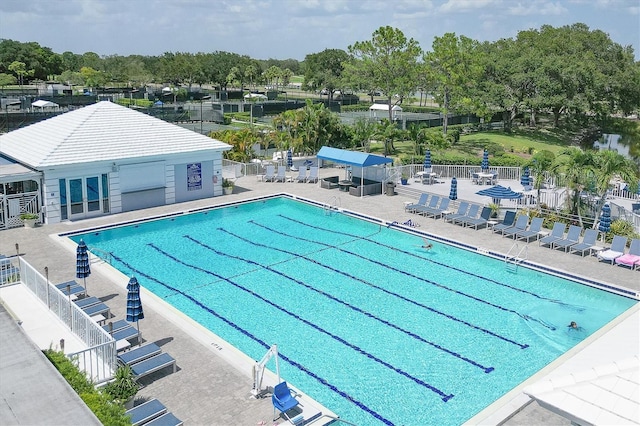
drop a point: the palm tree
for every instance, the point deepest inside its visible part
(577, 167)
(540, 164)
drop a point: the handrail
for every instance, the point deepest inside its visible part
(334, 418)
(102, 254)
(518, 258)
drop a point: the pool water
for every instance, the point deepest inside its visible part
(367, 322)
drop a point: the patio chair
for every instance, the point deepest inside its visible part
(433, 203)
(302, 175)
(281, 176)
(462, 210)
(475, 178)
(572, 238)
(521, 224)
(494, 178)
(507, 222)
(146, 412)
(557, 233)
(533, 232)
(472, 213)
(283, 399)
(313, 175)
(632, 258)
(483, 220)
(588, 242)
(422, 201)
(270, 173)
(153, 364)
(139, 354)
(438, 211)
(616, 250)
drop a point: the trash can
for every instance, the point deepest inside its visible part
(391, 188)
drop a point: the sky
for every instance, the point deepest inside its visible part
(283, 29)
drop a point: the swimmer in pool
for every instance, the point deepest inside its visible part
(574, 326)
(427, 245)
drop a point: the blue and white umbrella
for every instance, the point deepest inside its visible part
(134, 304)
(453, 194)
(83, 270)
(485, 160)
(289, 159)
(525, 179)
(499, 192)
(605, 219)
(427, 160)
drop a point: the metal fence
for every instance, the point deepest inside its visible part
(99, 360)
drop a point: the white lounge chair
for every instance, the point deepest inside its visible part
(302, 175)
(270, 173)
(615, 251)
(313, 175)
(282, 175)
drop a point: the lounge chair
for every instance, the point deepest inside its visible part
(139, 354)
(483, 220)
(281, 176)
(433, 203)
(632, 258)
(127, 333)
(116, 326)
(438, 211)
(572, 238)
(422, 201)
(615, 251)
(71, 288)
(270, 174)
(462, 210)
(533, 232)
(557, 233)
(146, 412)
(313, 175)
(472, 213)
(87, 301)
(153, 364)
(98, 309)
(521, 224)
(588, 242)
(283, 399)
(507, 222)
(167, 419)
(302, 175)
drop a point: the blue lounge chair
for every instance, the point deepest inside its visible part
(98, 309)
(616, 250)
(433, 203)
(139, 354)
(283, 399)
(588, 241)
(146, 412)
(533, 232)
(521, 224)
(87, 301)
(572, 238)
(507, 222)
(557, 233)
(472, 213)
(116, 326)
(70, 288)
(153, 364)
(127, 333)
(481, 221)
(438, 211)
(462, 210)
(167, 419)
(422, 201)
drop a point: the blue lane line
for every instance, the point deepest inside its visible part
(384, 265)
(251, 336)
(433, 261)
(344, 303)
(445, 397)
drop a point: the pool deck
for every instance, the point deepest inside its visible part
(213, 381)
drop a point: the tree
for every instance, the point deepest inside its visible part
(20, 70)
(389, 62)
(7, 79)
(577, 167)
(361, 132)
(541, 163)
(609, 165)
(453, 68)
(323, 70)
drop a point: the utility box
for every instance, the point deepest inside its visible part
(391, 188)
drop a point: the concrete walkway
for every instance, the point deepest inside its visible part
(213, 381)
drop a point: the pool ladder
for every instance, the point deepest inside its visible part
(332, 205)
(104, 255)
(512, 262)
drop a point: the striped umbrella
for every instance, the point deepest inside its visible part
(83, 270)
(525, 179)
(605, 219)
(427, 160)
(289, 159)
(134, 304)
(453, 194)
(485, 160)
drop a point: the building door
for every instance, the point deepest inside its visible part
(85, 197)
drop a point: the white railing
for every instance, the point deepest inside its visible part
(13, 205)
(99, 360)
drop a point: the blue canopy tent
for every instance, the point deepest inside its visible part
(352, 158)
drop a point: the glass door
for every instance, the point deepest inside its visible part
(86, 197)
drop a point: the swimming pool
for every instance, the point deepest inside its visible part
(367, 322)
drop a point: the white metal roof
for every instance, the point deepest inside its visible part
(101, 132)
(385, 107)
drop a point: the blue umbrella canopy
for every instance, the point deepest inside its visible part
(499, 192)
(485, 160)
(134, 305)
(289, 159)
(525, 179)
(427, 160)
(83, 270)
(605, 219)
(453, 194)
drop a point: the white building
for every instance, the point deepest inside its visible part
(382, 111)
(105, 159)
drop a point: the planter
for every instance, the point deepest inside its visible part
(29, 223)
(228, 190)
(403, 181)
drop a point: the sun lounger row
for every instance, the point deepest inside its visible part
(616, 253)
(434, 207)
(152, 412)
(467, 216)
(147, 359)
(281, 175)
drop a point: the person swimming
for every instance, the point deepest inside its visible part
(573, 325)
(427, 245)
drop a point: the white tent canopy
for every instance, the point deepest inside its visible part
(383, 109)
(255, 96)
(41, 103)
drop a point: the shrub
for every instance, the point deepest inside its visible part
(621, 227)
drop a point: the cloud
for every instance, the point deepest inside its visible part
(453, 6)
(537, 8)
